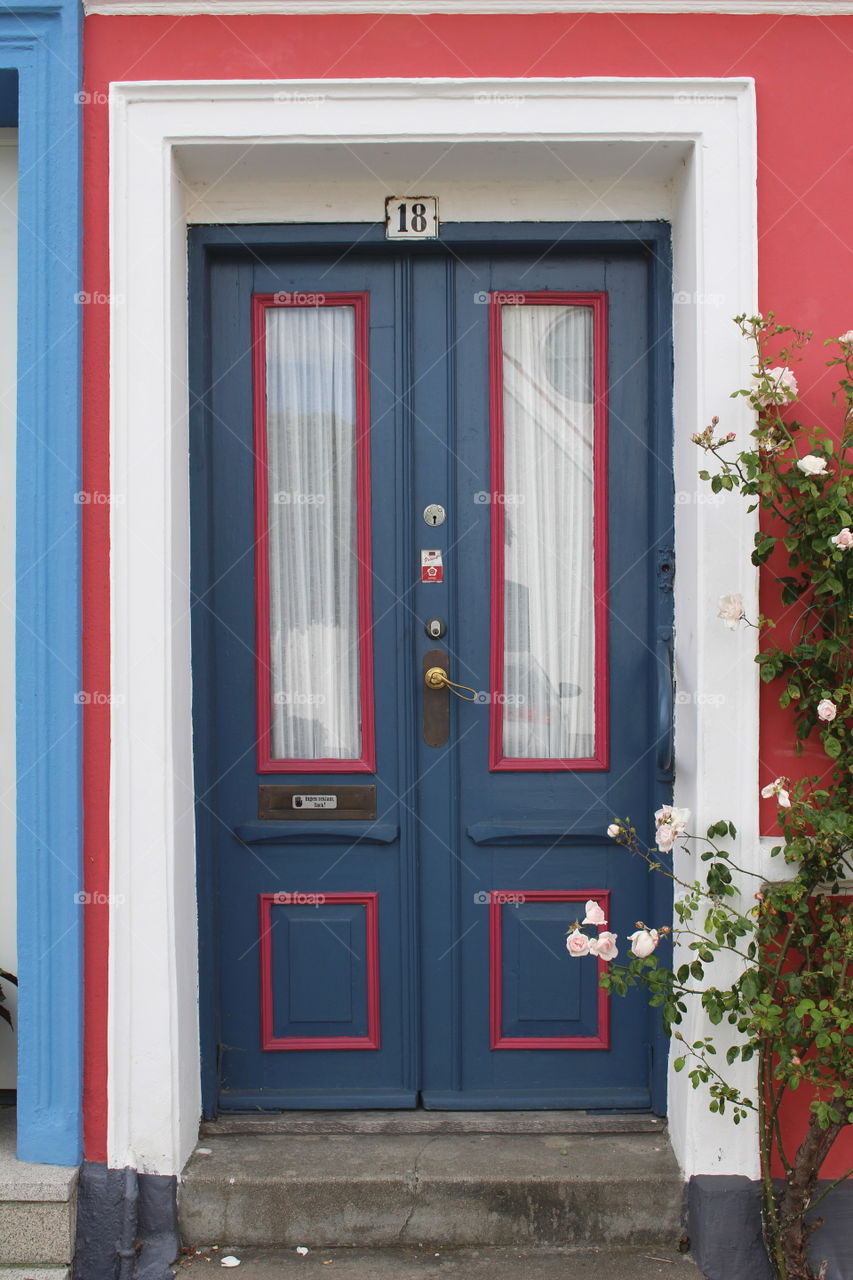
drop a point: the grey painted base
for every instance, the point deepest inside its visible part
(127, 1226)
(724, 1224)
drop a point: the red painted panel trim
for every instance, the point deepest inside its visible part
(96, 652)
(496, 907)
(601, 758)
(373, 1039)
(267, 763)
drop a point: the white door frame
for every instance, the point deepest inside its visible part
(158, 132)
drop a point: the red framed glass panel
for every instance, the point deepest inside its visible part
(307, 712)
(548, 379)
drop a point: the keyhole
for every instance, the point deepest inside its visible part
(434, 518)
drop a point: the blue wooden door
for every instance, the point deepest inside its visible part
(388, 871)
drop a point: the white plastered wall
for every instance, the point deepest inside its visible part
(8, 389)
(189, 151)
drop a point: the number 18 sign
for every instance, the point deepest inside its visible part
(411, 218)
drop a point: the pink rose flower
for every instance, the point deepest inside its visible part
(577, 943)
(604, 946)
(826, 709)
(644, 941)
(844, 539)
(594, 913)
(670, 823)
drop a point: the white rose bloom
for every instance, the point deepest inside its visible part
(826, 709)
(643, 942)
(775, 386)
(847, 338)
(812, 465)
(731, 610)
(777, 788)
(613, 830)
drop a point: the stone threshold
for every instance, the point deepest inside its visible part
(431, 1122)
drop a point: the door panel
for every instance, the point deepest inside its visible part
(419, 954)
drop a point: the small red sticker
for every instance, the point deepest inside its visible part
(432, 569)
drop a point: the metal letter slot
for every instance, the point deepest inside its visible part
(302, 803)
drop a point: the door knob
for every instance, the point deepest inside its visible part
(437, 678)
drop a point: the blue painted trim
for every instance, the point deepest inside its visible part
(42, 43)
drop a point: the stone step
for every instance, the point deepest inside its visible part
(453, 1264)
(439, 1190)
(420, 1121)
(35, 1273)
(38, 1211)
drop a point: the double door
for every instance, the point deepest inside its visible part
(449, 459)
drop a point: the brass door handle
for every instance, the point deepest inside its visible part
(437, 678)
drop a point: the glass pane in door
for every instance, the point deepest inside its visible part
(311, 535)
(549, 578)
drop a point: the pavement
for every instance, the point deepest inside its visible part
(445, 1264)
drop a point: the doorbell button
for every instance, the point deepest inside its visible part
(435, 628)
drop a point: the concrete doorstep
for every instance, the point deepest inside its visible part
(444, 1190)
(443, 1264)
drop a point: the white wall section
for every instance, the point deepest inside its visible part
(178, 154)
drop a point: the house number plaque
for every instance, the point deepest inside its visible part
(411, 218)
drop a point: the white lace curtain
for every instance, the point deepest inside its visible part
(313, 560)
(549, 628)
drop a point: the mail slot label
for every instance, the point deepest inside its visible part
(315, 802)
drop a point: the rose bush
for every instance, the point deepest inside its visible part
(790, 1004)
